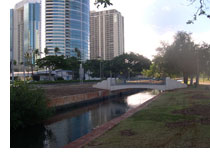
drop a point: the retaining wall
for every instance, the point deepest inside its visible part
(72, 99)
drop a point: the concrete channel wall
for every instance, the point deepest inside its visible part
(72, 99)
(65, 102)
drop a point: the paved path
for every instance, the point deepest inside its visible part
(81, 142)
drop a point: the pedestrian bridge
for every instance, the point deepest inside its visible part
(113, 84)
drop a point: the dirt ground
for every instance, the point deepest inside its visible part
(60, 90)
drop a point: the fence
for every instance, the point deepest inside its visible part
(144, 81)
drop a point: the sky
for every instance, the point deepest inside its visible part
(150, 21)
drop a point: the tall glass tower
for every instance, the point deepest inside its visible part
(25, 29)
(67, 27)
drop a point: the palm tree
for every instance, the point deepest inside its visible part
(78, 53)
(56, 50)
(36, 54)
(28, 60)
(46, 51)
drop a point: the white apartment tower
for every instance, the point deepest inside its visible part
(106, 34)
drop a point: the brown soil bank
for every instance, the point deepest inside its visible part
(60, 90)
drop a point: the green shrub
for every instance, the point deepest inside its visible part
(36, 77)
(60, 79)
(28, 106)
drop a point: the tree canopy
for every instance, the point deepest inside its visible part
(125, 65)
(182, 58)
(202, 10)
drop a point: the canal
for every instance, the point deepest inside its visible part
(68, 126)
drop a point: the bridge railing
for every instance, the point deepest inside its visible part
(143, 81)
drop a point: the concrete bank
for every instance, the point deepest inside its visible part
(64, 102)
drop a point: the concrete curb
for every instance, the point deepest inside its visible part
(84, 140)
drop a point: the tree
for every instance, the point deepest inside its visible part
(56, 50)
(179, 58)
(153, 71)
(125, 65)
(203, 59)
(28, 60)
(28, 106)
(51, 62)
(103, 2)
(78, 52)
(157, 69)
(202, 10)
(14, 62)
(93, 66)
(36, 53)
(73, 64)
(46, 51)
(182, 58)
(128, 65)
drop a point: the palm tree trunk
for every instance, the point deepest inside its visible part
(191, 80)
(185, 75)
(197, 78)
(49, 74)
(197, 72)
(32, 70)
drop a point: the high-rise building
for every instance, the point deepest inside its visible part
(25, 29)
(67, 27)
(106, 34)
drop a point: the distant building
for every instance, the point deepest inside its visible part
(106, 34)
(55, 75)
(67, 27)
(25, 29)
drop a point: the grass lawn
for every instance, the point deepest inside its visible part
(179, 118)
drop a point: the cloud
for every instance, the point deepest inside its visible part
(166, 8)
(146, 39)
(201, 37)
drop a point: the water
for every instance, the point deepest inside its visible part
(72, 125)
(69, 126)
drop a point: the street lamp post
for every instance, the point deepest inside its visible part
(100, 66)
(12, 67)
(24, 74)
(100, 69)
(81, 73)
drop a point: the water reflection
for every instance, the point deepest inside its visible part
(70, 126)
(139, 98)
